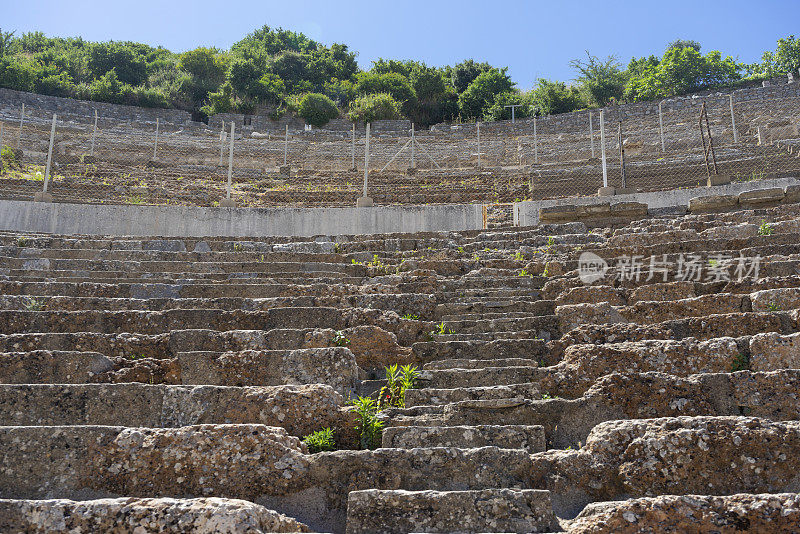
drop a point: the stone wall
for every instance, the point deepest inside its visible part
(42, 106)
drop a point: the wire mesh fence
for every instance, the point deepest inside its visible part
(103, 160)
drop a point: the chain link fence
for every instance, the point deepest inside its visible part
(102, 160)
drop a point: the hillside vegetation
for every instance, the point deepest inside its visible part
(278, 71)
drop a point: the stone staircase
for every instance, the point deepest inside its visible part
(164, 385)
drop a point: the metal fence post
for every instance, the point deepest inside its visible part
(478, 125)
(603, 147)
(94, 133)
(21, 121)
(413, 161)
(353, 148)
(365, 201)
(591, 133)
(155, 144)
(733, 123)
(228, 202)
(535, 142)
(222, 136)
(286, 146)
(43, 196)
(661, 126)
(1, 136)
(622, 156)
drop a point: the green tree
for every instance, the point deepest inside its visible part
(463, 74)
(551, 97)
(317, 109)
(107, 88)
(600, 80)
(369, 108)
(390, 83)
(684, 43)
(130, 67)
(681, 71)
(481, 93)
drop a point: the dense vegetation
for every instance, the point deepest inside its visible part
(276, 71)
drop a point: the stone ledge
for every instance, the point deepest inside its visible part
(712, 203)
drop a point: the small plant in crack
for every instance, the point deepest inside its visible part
(340, 339)
(320, 441)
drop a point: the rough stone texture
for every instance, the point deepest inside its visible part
(574, 315)
(583, 364)
(530, 438)
(701, 514)
(493, 510)
(778, 299)
(705, 455)
(772, 351)
(332, 366)
(372, 346)
(712, 203)
(143, 516)
(299, 409)
(181, 461)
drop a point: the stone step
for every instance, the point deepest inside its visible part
(532, 349)
(106, 277)
(546, 324)
(333, 366)
(440, 365)
(489, 510)
(439, 397)
(143, 516)
(764, 512)
(145, 322)
(568, 422)
(486, 376)
(301, 410)
(467, 317)
(529, 438)
(263, 464)
(494, 308)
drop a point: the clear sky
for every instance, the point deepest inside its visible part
(533, 38)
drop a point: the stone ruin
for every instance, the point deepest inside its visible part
(165, 385)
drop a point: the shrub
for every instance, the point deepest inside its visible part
(398, 380)
(368, 425)
(317, 109)
(56, 85)
(107, 88)
(8, 158)
(321, 440)
(372, 108)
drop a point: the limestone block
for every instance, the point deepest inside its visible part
(530, 438)
(712, 203)
(772, 351)
(491, 510)
(761, 196)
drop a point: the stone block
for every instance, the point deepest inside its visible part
(558, 213)
(606, 191)
(490, 510)
(629, 209)
(772, 351)
(761, 196)
(791, 194)
(712, 203)
(364, 202)
(227, 203)
(528, 437)
(718, 179)
(42, 197)
(162, 515)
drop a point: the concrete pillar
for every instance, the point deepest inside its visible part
(413, 161)
(661, 127)
(591, 133)
(733, 122)
(353, 147)
(478, 128)
(535, 143)
(603, 152)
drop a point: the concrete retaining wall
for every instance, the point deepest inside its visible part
(60, 218)
(527, 213)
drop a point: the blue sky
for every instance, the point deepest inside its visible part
(533, 38)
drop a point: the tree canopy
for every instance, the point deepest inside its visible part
(273, 70)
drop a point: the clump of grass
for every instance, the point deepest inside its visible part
(34, 304)
(340, 339)
(765, 228)
(320, 441)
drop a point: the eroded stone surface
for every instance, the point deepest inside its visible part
(143, 516)
(702, 514)
(495, 510)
